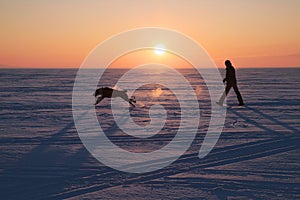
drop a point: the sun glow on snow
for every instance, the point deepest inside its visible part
(157, 92)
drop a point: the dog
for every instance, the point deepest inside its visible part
(106, 92)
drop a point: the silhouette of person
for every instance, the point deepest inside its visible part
(230, 80)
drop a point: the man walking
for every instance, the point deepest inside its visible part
(230, 80)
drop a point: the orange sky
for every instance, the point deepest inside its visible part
(149, 56)
(62, 33)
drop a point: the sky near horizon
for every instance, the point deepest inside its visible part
(62, 33)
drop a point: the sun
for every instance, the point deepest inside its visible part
(159, 49)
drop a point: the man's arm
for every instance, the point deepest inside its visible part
(226, 77)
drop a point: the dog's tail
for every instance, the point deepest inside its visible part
(118, 88)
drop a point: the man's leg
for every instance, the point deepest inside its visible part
(238, 94)
(227, 89)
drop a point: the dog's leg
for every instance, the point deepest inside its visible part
(98, 100)
(132, 99)
(131, 103)
(128, 100)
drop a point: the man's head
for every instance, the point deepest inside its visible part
(228, 63)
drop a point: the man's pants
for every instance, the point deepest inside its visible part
(227, 89)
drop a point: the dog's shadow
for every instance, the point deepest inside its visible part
(113, 128)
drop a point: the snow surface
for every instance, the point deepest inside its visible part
(256, 157)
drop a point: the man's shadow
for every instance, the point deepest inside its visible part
(259, 124)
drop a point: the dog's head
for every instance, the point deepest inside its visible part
(99, 91)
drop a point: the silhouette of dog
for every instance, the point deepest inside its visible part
(106, 92)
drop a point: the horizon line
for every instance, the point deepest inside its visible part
(255, 67)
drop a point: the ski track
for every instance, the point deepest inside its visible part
(42, 156)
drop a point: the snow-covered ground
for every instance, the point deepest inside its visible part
(256, 157)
